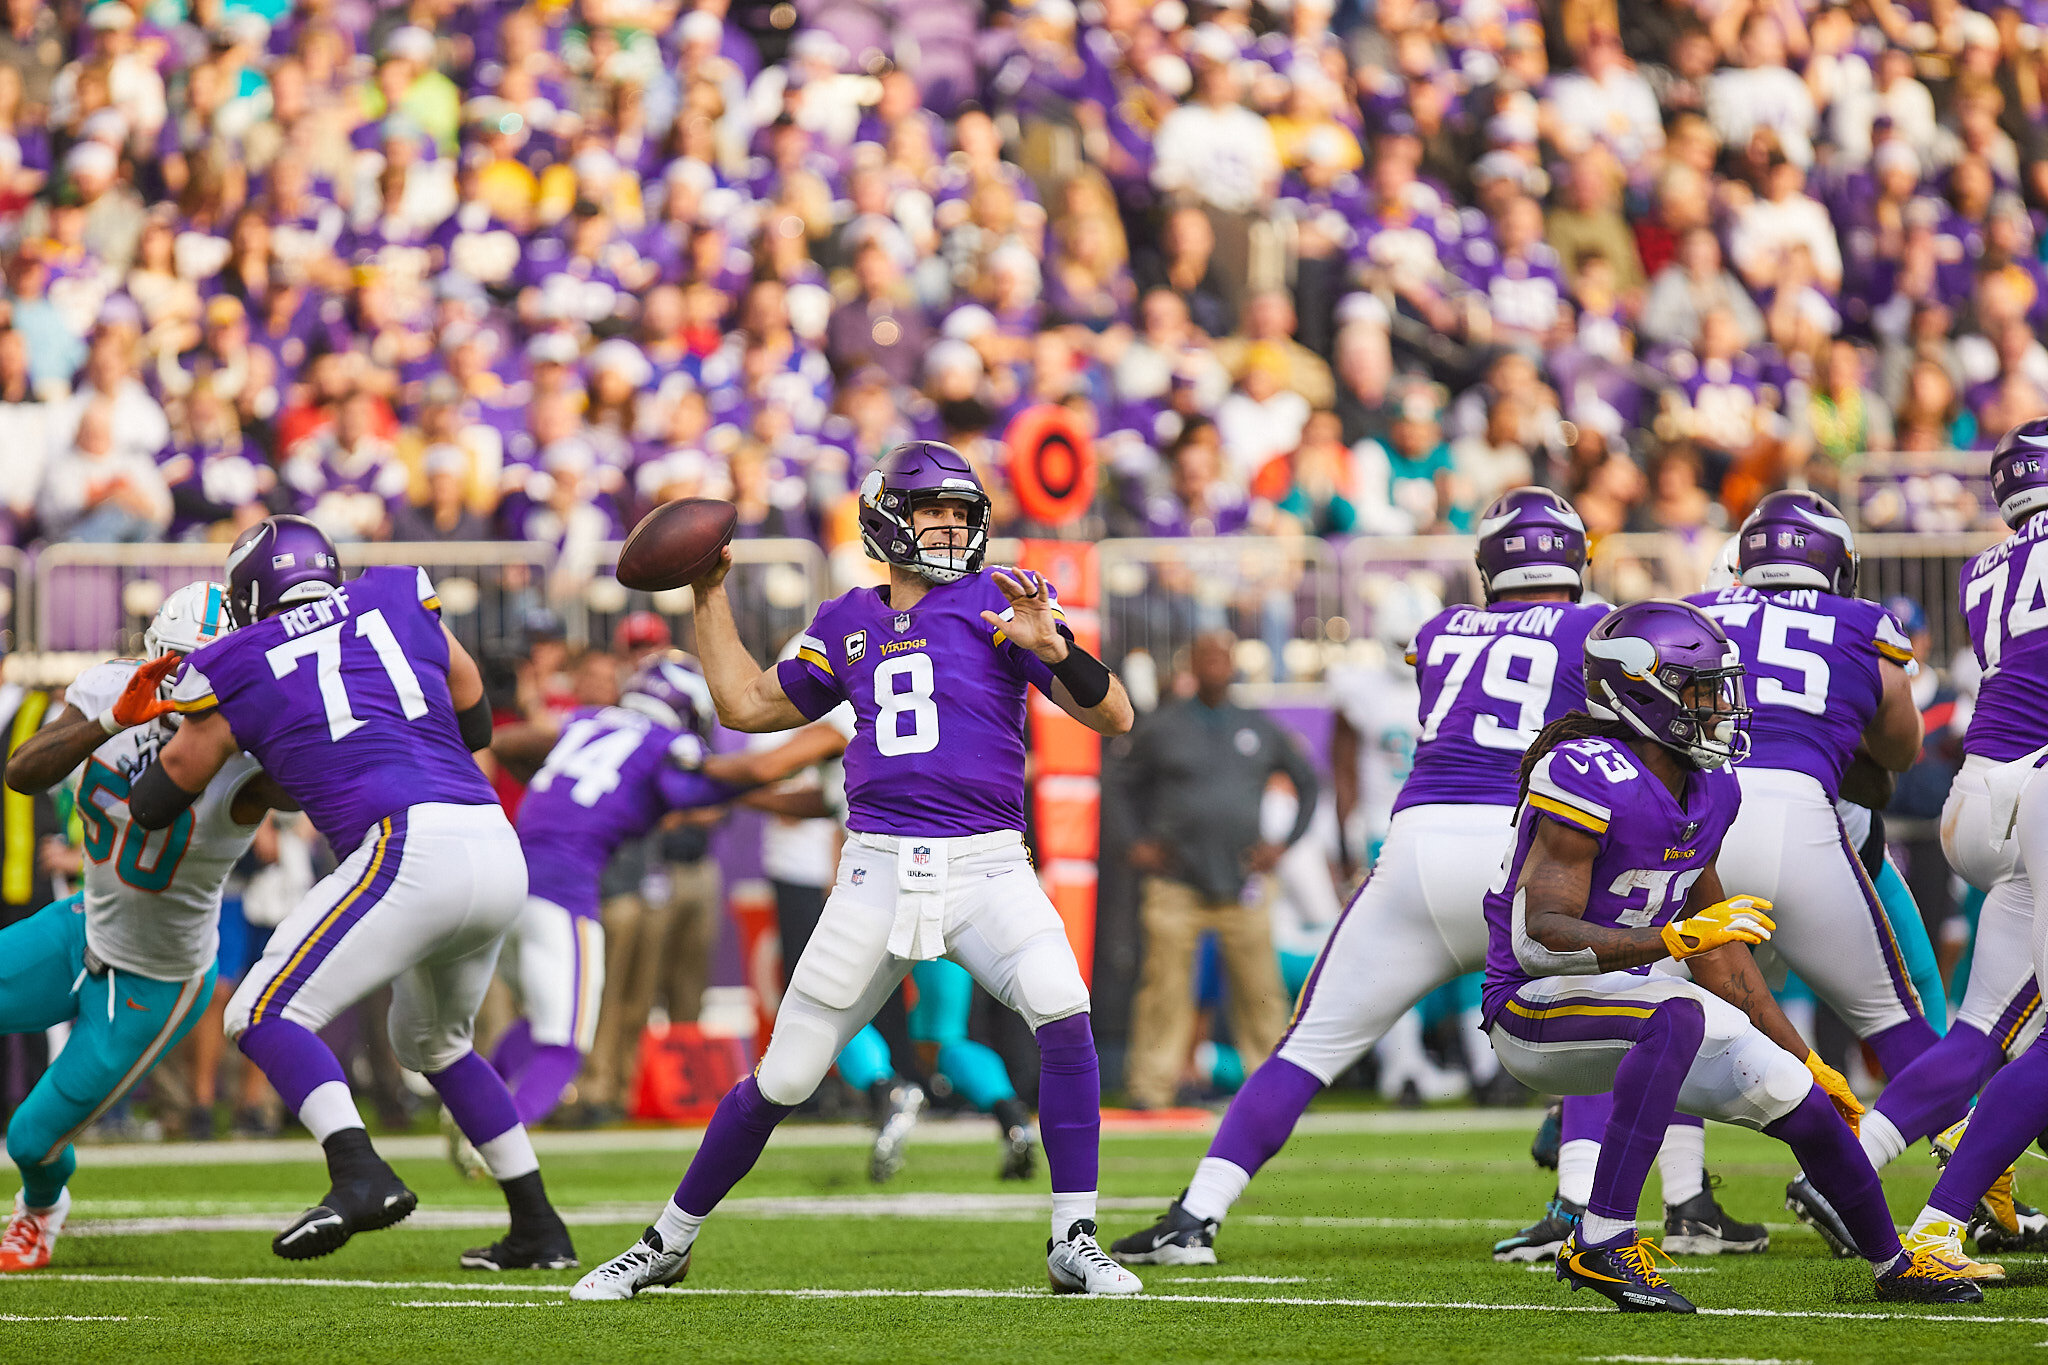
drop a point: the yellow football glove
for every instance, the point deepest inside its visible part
(1838, 1092)
(1739, 919)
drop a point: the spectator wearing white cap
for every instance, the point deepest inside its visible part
(1219, 154)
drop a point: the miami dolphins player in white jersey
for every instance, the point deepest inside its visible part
(129, 961)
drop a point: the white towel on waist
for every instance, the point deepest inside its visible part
(2003, 785)
(919, 930)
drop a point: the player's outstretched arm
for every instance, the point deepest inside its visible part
(1552, 937)
(48, 756)
(1083, 686)
(812, 745)
(200, 749)
(1731, 973)
(749, 699)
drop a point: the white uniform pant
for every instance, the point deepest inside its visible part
(2001, 1001)
(554, 963)
(1565, 1035)
(1419, 921)
(421, 904)
(1787, 845)
(997, 923)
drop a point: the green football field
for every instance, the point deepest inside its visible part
(1365, 1240)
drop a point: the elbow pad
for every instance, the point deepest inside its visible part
(155, 801)
(1537, 960)
(476, 725)
(1086, 677)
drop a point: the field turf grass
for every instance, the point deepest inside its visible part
(1366, 1239)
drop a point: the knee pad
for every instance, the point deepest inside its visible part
(1048, 982)
(429, 1055)
(799, 1054)
(1681, 1020)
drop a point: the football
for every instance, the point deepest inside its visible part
(676, 543)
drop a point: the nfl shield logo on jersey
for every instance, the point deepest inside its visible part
(920, 855)
(860, 874)
(902, 622)
(1690, 828)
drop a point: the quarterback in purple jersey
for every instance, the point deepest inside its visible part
(1623, 811)
(361, 705)
(1995, 832)
(611, 773)
(937, 666)
(1490, 678)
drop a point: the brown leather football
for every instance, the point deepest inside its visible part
(677, 543)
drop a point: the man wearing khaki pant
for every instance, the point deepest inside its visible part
(1193, 781)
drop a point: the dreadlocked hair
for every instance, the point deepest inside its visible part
(1566, 728)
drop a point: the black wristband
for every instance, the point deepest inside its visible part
(476, 725)
(1086, 677)
(155, 801)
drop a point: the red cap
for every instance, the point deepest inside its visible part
(641, 630)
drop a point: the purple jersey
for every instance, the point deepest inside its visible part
(1491, 678)
(938, 704)
(2005, 600)
(1814, 673)
(609, 778)
(1653, 846)
(344, 700)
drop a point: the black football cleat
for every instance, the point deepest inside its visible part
(527, 1249)
(1813, 1209)
(367, 1203)
(1921, 1276)
(1543, 1149)
(1179, 1238)
(1623, 1272)
(1541, 1239)
(1701, 1227)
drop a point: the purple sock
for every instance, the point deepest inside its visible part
(1899, 1046)
(1833, 1160)
(1646, 1087)
(514, 1052)
(293, 1058)
(1263, 1113)
(541, 1084)
(2011, 1112)
(476, 1097)
(1934, 1090)
(1585, 1117)
(1070, 1103)
(732, 1144)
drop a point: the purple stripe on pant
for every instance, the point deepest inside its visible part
(381, 871)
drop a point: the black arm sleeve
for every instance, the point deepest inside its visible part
(1086, 677)
(476, 725)
(154, 801)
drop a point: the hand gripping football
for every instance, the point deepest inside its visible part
(677, 543)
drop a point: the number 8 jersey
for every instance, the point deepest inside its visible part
(344, 700)
(1491, 678)
(938, 704)
(152, 897)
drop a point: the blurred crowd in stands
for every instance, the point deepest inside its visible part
(481, 269)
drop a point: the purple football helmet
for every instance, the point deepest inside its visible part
(1797, 540)
(670, 690)
(278, 562)
(2019, 472)
(913, 473)
(1531, 538)
(1644, 659)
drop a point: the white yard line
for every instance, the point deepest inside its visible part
(947, 1132)
(1033, 1295)
(57, 1317)
(1698, 1360)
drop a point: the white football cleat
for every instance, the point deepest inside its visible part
(462, 1153)
(32, 1236)
(1076, 1265)
(644, 1265)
